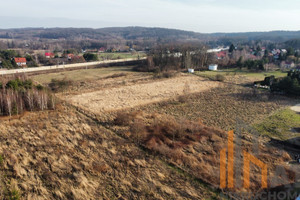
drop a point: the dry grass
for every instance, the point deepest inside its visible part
(124, 97)
(82, 75)
(64, 155)
(220, 107)
(195, 147)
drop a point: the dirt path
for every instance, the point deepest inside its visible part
(140, 94)
(296, 108)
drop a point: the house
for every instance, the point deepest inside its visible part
(284, 51)
(276, 53)
(287, 64)
(213, 67)
(102, 50)
(297, 69)
(191, 71)
(221, 55)
(49, 55)
(21, 62)
(70, 56)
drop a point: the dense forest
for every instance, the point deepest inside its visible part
(141, 36)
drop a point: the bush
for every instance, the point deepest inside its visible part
(60, 85)
(220, 78)
(90, 57)
(122, 119)
(168, 74)
(289, 85)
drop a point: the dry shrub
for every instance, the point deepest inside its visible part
(138, 130)
(285, 157)
(60, 85)
(116, 75)
(98, 168)
(220, 78)
(124, 118)
(167, 74)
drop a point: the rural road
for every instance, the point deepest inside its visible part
(296, 108)
(43, 68)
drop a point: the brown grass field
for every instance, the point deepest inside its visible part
(119, 134)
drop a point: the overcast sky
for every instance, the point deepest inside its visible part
(204, 16)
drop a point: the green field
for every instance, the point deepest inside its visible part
(281, 125)
(117, 55)
(82, 74)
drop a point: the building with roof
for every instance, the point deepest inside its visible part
(21, 62)
(49, 55)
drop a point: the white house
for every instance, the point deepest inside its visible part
(191, 71)
(213, 67)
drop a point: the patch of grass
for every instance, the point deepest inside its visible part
(1, 160)
(280, 124)
(220, 78)
(119, 55)
(233, 72)
(82, 74)
(14, 194)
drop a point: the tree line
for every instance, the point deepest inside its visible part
(19, 95)
(177, 57)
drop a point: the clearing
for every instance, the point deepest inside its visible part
(111, 99)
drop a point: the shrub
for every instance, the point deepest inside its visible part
(220, 78)
(167, 74)
(39, 87)
(90, 57)
(60, 85)
(122, 119)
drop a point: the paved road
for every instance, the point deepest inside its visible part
(296, 108)
(43, 68)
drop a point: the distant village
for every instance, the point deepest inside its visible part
(228, 56)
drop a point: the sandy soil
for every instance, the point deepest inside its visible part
(140, 94)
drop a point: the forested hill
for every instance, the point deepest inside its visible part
(147, 36)
(127, 33)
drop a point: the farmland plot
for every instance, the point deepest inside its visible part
(111, 99)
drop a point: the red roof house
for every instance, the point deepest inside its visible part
(221, 55)
(49, 55)
(102, 49)
(20, 61)
(70, 56)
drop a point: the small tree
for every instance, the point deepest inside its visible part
(231, 48)
(90, 57)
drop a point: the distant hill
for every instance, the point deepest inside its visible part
(127, 33)
(142, 36)
(279, 36)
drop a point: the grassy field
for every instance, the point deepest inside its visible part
(116, 55)
(281, 125)
(82, 75)
(243, 72)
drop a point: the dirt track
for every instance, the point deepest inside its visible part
(140, 94)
